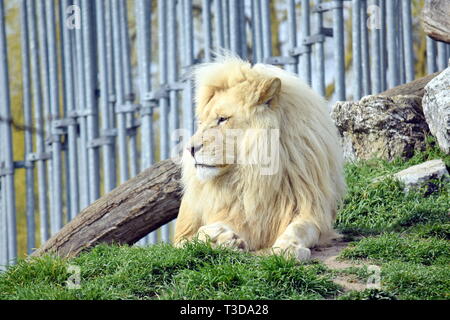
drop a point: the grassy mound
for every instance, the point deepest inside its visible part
(405, 235)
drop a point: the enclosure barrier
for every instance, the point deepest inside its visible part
(101, 98)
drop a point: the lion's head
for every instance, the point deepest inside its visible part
(265, 151)
(236, 119)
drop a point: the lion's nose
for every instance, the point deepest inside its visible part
(194, 149)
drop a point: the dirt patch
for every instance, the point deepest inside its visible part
(349, 283)
(328, 255)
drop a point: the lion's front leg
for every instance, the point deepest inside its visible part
(219, 233)
(187, 224)
(297, 239)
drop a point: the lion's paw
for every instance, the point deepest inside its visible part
(291, 248)
(220, 234)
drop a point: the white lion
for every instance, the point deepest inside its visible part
(291, 209)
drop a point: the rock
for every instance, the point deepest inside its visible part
(379, 126)
(436, 108)
(435, 20)
(422, 175)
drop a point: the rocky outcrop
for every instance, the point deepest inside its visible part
(436, 108)
(382, 127)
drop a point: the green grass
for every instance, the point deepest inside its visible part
(395, 247)
(406, 235)
(375, 207)
(164, 272)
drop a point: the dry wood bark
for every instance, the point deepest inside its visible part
(435, 19)
(415, 87)
(124, 215)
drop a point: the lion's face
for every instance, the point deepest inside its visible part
(208, 147)
(224, 119)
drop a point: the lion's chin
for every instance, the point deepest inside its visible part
(205, 173)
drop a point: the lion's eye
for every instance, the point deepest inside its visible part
(221, 120)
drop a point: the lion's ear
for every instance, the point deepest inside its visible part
(268, 89)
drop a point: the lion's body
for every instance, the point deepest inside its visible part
(306, 188)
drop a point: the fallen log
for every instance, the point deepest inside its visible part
(123, 216)
(435, 19)
(415, 87)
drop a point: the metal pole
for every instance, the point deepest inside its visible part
(448, 51)
(27, 112)
(306, 69)
(163, 102)
(172, 70)
(207, 28)
(226, 22)
(408, 40)
(111, 88)
(292, 32)
(40, 155)
(4, 259)
(339, 50)
(189, 62)
(356, 48)
(442, 55)
(56, 163)
(431, 56)
(218, 19)
(235, 40)
(128, 89)
(143, 16)
(143, 27)
(6, 133)
(91, 105)
(365, 62)
(319, 75)
(383, 34)
(121, 120)
(375, 51)
(266, 29)
(69, 89)
(43, 53)
(400, 44)
(391, 16)
(60, 12)
(243, 29)
(3, 223)
(257, 31)
(163, 78)
(81, 117)
(106, 125)
(172, 67)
